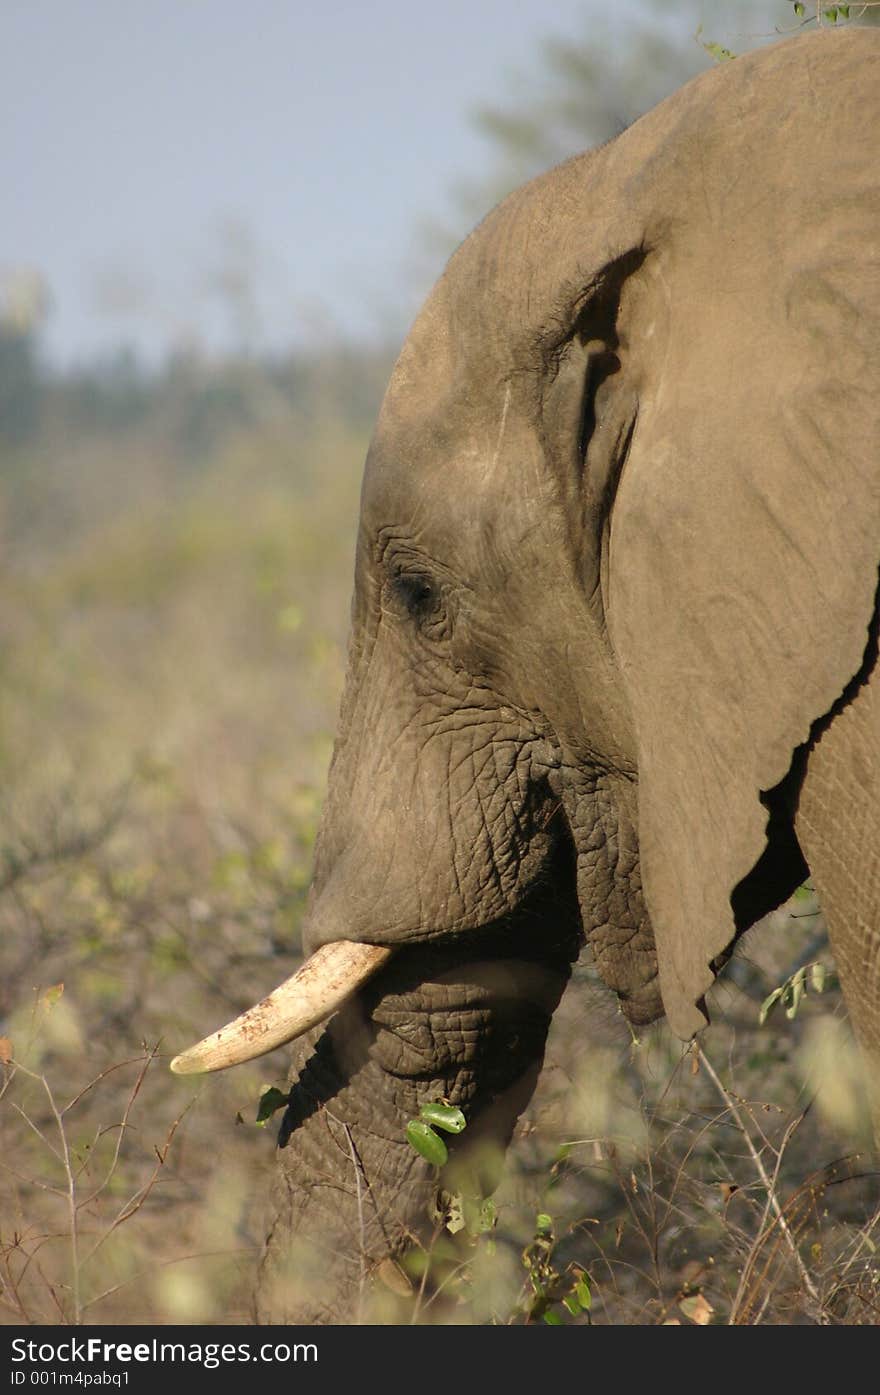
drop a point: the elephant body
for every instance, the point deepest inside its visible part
(612, 667)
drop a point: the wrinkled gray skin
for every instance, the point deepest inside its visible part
(612, 660)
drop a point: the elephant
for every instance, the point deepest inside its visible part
(612, 677)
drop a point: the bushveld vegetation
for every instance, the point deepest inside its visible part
(173, 612)
(176, 564)
(176, 575)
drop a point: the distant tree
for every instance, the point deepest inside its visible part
(19, 386)
(24, 304)
(585, 90)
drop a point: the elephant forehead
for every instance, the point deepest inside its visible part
(718, 163)
(461, 343)
(471, 462)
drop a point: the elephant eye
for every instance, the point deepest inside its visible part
(416, 592)
(419, 595)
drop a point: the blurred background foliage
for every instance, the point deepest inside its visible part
(176, 562)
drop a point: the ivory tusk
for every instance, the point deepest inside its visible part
(332, 974)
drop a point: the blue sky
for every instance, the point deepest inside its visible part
(147, 148)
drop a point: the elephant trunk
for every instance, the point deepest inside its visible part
(349, 1195)
(439, 1022)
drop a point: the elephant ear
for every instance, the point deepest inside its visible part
(742, 566)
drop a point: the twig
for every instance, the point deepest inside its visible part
(358, 1174)
(134, 1203)
(72, 1209)
(30, 1123)
(761, 1234)
(162, 1264)
(123, 1124)
(768, 1185)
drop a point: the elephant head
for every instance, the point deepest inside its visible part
(616, 572)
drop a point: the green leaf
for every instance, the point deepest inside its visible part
(583, 1294)
(831, 14)
(544, 1223)
(428, 1144)
(799, 10)
(443, 1116)
(768, 1003)
(794, 994)
(843, 11)
(270, 1100)
(553, 1319)
(480, 1216)
(791, 992)
(571, 1303)
(487, 1218)
(455, 1220)
(719, 52)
